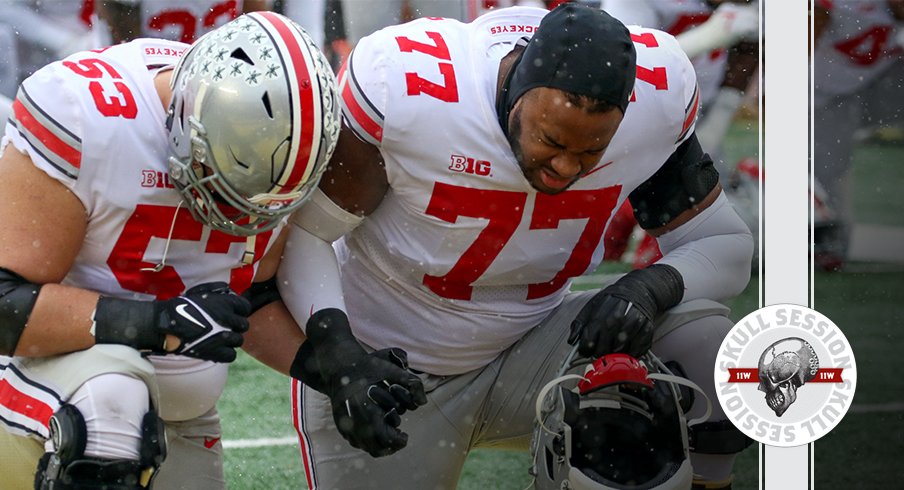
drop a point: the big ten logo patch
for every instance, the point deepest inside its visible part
(469, 165)
(156, 178)
(785, 375)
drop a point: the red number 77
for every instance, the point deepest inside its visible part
(503, 211)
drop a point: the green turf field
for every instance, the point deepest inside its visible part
(866, 302)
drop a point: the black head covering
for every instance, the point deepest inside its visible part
(577, 49)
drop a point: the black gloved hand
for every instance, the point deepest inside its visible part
(305, 368)
(620, 317)
(368, 392)
(209, 319)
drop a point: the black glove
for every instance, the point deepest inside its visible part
(209, 319)
(368, 392)
(620, 317)
(305, 368)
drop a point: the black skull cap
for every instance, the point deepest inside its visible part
(578, 49)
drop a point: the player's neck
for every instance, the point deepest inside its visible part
(505, 65)
(162, 85)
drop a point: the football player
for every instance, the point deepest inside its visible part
(477, 169)
(858, 74)
(144, 186)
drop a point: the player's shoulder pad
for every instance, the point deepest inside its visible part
(665, 75)
(48, 116)
(378, 72)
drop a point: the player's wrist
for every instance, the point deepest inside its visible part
(332, 341)
(653, 289)
(129, 322)
(306, 369)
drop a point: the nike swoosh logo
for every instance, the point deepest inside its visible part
(597, 169)
(180, 309)
(209, 442)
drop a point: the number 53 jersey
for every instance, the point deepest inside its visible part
(463, 256)
(95, 123)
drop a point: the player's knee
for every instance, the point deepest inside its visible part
(67, 466)
(113, 406)
(692, 340)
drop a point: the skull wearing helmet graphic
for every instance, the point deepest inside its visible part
(784, 367)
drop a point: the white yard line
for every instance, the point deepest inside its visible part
(293, 440)
(262, 442)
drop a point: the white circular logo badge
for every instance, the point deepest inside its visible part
(785, 375)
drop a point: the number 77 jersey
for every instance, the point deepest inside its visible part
(462, 240)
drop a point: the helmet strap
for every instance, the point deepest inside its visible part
(248, 256)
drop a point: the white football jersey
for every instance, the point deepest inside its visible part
(94, 122)
(855, 48)
(675, 17)
(463, 256)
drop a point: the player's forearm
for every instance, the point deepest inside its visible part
(308, 276)
(713, 253)
(274, 337)
(60, 322)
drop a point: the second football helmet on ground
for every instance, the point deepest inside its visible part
(621, 427)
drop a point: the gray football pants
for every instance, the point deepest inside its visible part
(489, 407)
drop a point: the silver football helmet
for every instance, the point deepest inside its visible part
(253, 121)
(622, 427)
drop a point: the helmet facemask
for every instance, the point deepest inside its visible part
(252, 123)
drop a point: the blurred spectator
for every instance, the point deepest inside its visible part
(176, 20)
(36, 32)
(858, 75)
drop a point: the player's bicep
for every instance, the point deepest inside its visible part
(686, 184)
(355, 178)
(44, 222)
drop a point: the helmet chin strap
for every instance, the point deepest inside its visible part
(169, 236)
(248, 255)
(542, 401)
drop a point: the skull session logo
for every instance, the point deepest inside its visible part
(785, 375)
